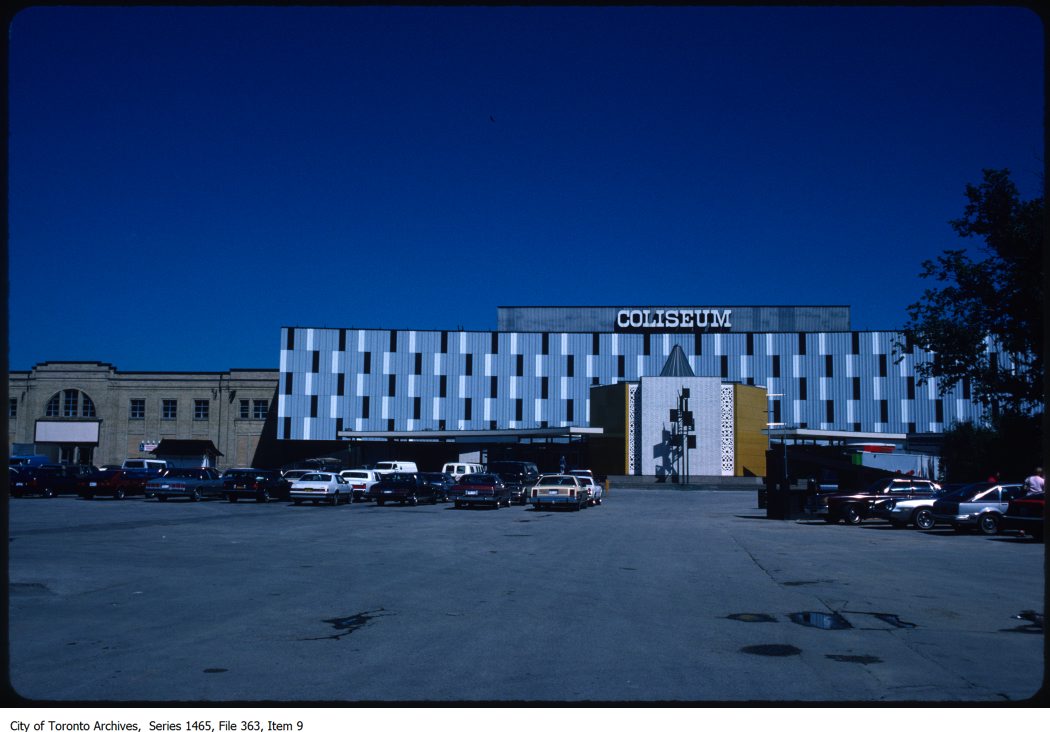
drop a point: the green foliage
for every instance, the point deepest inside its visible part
(1009, 447)
(987, 305)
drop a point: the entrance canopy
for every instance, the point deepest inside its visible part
(539, 434)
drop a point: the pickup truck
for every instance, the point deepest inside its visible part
(559, 490)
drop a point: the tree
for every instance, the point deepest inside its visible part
(987, 305)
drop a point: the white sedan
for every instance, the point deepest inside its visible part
(361, 481)
(594, 489)
(317, 486)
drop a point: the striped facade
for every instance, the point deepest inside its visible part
(338, 379)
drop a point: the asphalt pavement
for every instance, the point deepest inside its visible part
(665, 596)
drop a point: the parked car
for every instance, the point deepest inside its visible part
(902, 511)
(114, 482)
(559, 490)
(440, 483)
(27, 461)
(1026, 514)
(396, 466)
(320, 486)
(519, 476)
(853, 507)
(458, 470)
(192, 483)
(978, 505)
(49, 480)
(594, 490)
(262, 485)
(481, 489)
(154, 467)
(361, 481)
(404, 488)
(291, 476)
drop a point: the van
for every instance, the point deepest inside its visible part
(396, 466)
(28, 461)
(458, 470)
(150, 466)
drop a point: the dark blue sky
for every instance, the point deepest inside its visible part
(185, 181)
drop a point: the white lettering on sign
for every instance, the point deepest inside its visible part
(657, 319)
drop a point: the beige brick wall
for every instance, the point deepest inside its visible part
(111, 392)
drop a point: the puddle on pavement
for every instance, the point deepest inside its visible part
(865, 660)
(823, 621)
(349, 624)
(772, 649)
(752, 617)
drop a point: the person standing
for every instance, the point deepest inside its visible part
(1033, 484)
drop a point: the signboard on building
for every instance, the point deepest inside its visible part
(665, 320)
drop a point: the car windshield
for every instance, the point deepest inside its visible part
(557, 480)
(355, 474)
(478, 479)
(315, 478)
(968, 492)
(399, 478)
(182, 473)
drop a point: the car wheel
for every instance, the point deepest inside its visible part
(852, 515)
(118, 494)
(49, 493)
(380, 502)
(988, 523)
(923, 519)
(334, 500)
(459, 505)
(196, 495)
(263, 497)
(496, 505)
(413, 500)
(297, 501)
(85, 496)
(162, 498)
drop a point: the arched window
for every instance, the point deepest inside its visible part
(70, 403)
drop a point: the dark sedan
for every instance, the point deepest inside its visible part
(440, 483)
(481, 489)
(404, 488)
(192, 483)
(117, 483)
(50, 480)
(1026, 514)
(251, 483)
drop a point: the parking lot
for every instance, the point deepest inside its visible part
(656, 595)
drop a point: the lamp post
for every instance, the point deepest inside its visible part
(770, 424)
